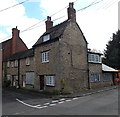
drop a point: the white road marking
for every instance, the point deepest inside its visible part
(54, 101)
(68, 100)
(52, 104)
(37, 106)
(61, 102)
(46, 104)
(61, 99)
(41, 107)
(25, 103)
(74, 98)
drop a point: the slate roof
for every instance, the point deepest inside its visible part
(21, 55)
(55, 32)
(106, 68)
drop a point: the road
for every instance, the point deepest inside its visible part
(103, 103)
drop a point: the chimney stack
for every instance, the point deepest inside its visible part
(15, 36)
(49, 23)
(71, 12)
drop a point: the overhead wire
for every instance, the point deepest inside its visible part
(13, 6)
(93, 3)
(33, 26)
(110, 4)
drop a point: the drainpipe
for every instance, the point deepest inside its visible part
(18, 73)
(88, 72)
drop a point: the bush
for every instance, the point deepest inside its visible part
(6, 83)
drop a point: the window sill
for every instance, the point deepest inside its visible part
(27, 65)
(45, 62)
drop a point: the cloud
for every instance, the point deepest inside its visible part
(16, 16)
(97, 22)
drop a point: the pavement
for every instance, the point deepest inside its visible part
(79, 94)
(87, 92)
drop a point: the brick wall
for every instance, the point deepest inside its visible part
(14, 45)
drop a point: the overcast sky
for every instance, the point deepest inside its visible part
(97, 22)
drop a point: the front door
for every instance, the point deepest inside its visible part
(41, 82)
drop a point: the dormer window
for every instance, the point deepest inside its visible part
(46, 38)
(95, 58)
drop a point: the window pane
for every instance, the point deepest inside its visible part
(95, 77)
(45, 56)
(50, 80)
(46, 38)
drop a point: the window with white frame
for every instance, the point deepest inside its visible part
(27, 61)
(16, 63)
(95, 58)
(46, 38)
(45, 56)
(50, 80)
(8, 64)
(95, 77)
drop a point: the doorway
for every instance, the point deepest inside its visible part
(41, 82)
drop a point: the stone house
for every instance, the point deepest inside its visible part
(58, 60)
(10, 47)
(61, 55)
(19, 66)
(100, 75)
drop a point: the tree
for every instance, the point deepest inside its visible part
(112, 52)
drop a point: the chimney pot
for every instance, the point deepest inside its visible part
(71, 4)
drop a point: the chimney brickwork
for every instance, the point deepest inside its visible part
(15, 36)
(49, 23)
(14, 45)
(71, 12)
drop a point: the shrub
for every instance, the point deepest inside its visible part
(6, 83)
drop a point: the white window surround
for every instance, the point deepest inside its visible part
(8, 64)
(95, 58)
(12, 64)
(45, 56)
(46, 38)
(27, 61)
(50, 80)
